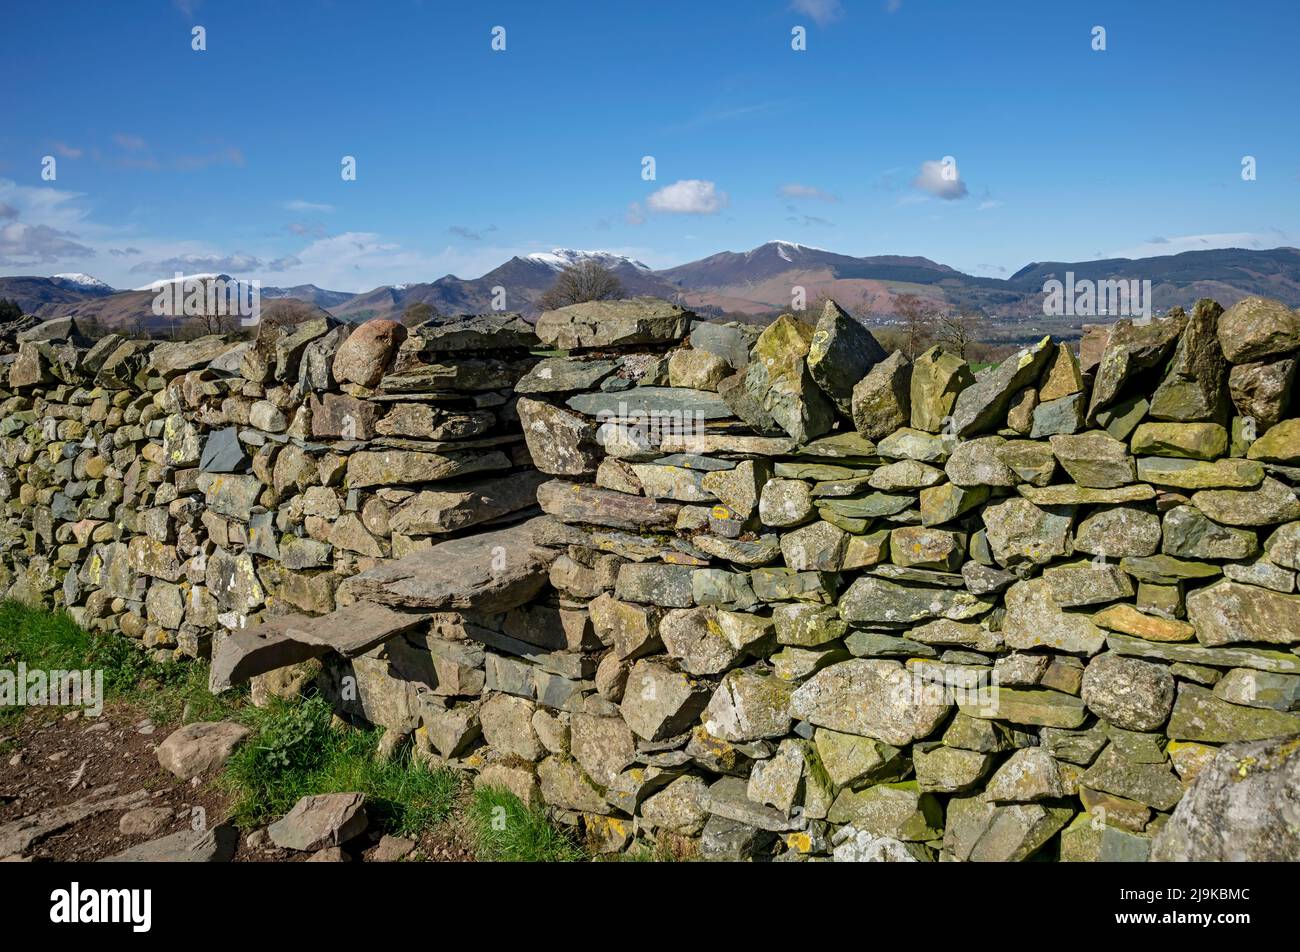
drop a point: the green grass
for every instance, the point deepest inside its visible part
(506, 831)
(53, 641)
(297, 752)
(297, 749)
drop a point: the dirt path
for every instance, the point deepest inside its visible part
(55, 769)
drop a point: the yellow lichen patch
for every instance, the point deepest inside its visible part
(799, 841)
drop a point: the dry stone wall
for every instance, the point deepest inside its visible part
(788, 596)
(173, 490)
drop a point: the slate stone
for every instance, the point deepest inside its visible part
(222, 452)
(983, 405)
(642, 320)
(841, 354)
(881, 401)
(1237, 808)
(1256, 328)
(1132, 349)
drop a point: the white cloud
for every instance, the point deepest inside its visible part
(940, 179)
(688, 197)
(795, 190)
(822, 11)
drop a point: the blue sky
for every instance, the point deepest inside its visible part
(229, 159)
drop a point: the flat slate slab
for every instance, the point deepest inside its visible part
(487, 572)
(352, 630)
(642, 402)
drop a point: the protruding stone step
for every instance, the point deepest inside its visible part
(351, 630)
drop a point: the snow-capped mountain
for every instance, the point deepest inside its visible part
(557, 259)
(756, 282)
(161, 282)
(82, 280)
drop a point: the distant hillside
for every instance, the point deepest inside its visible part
(45, 296)
(309, 293)
(761, 280)
(524, 279)
(756, 283)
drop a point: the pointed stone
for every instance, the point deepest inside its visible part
(1062, 377)
(779, 378)
(842, 352)
(983, 405)
(1132, 349)
(1194, 384)
(881, 401)
(938, 377)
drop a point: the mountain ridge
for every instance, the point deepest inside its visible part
(754, 283)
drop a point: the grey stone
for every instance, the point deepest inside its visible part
(317, 822)
(871, 698)
(1239, 808)
(842, 353)
(641, 320)
(1132, 694)
(983, 405)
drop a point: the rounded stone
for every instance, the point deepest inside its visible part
(1131, 694)
(364, 357)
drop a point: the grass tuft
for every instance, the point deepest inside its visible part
(506, 831)
(298, 752)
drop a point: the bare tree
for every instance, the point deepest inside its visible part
(917, 316)
(585, 281)
(957, 332)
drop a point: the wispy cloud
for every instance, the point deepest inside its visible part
(810, 221)
(821, 11)
(1265, 238)
(228, 155)
(306, 229)
(726, 114)
(688, 197)
(130, 142)
(471, 234)
(65, 151)
(300, 205)
(796, 190)
(237, 263)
